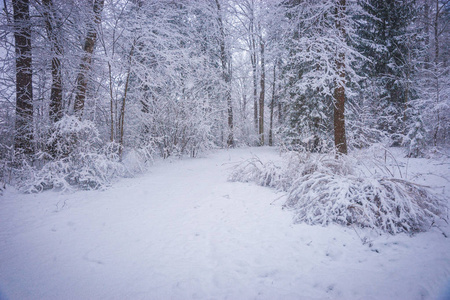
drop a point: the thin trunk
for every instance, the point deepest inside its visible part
(272, 104)
(280, 112)
(254, 71)
(111, 97)
(255, 91)
(88, 48)
(230, 141)
(122, 110)
(340, 140)
(436, 70)
(56, 100)
(262, 93)
(24, 82)
(226, 74)
(427, 32)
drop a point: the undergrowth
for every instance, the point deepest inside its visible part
(322, 189)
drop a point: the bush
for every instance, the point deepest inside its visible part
(76, 159)
(322, 189)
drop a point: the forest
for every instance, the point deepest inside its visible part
(225, 149)
(93, 90)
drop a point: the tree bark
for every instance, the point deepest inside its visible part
(253, 61)
(23, 140)
(262, 92)
(88, 48)
(122, 110)
(56, 105)
(226, 74)
(272, 104)
(340, 140)
(426, 12)
(436, 71)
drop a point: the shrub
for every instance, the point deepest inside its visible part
(76, 158)
(322, 189)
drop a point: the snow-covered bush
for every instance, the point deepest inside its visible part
(254, 170)
(415, 139)
(136, 160)
(6, 159)
(78, 158)
(322, 189)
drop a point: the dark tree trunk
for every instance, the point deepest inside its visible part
(122, 110)
(340, 140)
(272, 104)
(56, 105)
(262, 93)
(88, 48)
(226, 74)
(436, 70)
(254, 73)
(24, 84)
(426, 12)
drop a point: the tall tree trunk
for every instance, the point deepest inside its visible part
(88, 48)
(23, 140)
(226, 74)
(111, 104)
(255, 91)
(56, 105)
(272, 104)
(340, 140)
(122, 110)
(262, 92)
(426, 12)
(436, 70)
(253, 61)
(230, 141)
(280, 112)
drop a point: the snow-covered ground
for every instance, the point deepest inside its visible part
(182, 231)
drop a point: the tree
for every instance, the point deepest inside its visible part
(262, 90)
(226, 73)
(88, 48)
(24, 81)
(272, 104)
(340, 140)
(388, 41)
(56, 95)
(321, 70)
(245, 13)
(440, 68)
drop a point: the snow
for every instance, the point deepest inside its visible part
(182, 231)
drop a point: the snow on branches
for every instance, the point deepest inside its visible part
(79, 159)
(322, 189)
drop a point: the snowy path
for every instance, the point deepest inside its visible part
(183, 232)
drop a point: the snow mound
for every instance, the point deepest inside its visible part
(323, 189)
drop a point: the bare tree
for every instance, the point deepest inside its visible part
(56, 105)
(88, 48)
(262, 89)
(226, 73)
(272, 104)
(24, 81)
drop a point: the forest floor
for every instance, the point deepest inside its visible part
(182, 231)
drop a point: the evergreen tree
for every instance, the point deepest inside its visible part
(386, 30)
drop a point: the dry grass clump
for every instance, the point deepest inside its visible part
(323, 189)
